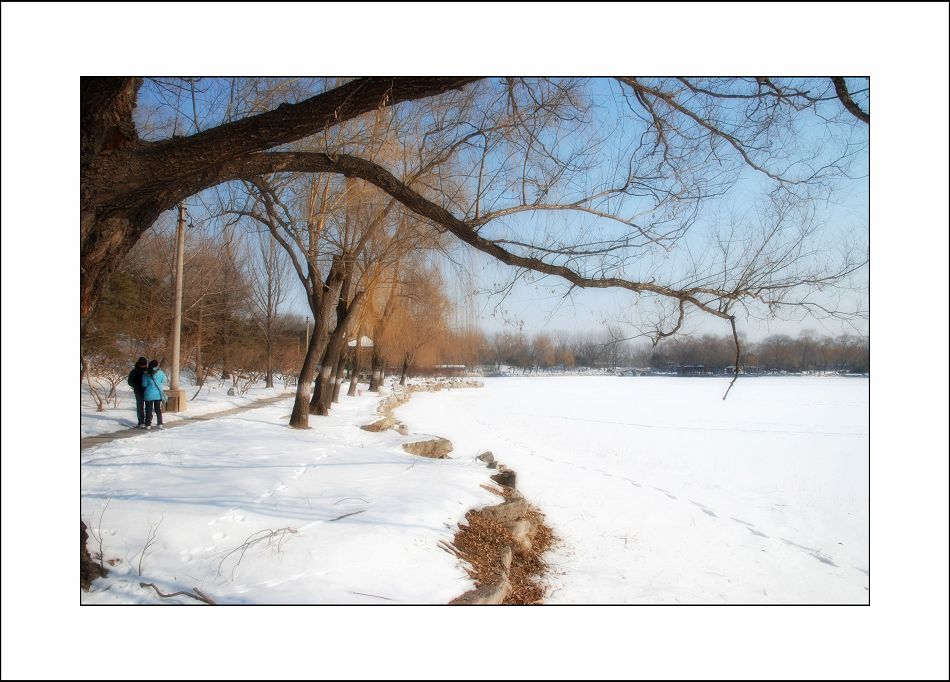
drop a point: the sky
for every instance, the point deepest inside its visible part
(534, 304)
(903, 48)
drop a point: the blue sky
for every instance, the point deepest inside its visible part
(541, 304)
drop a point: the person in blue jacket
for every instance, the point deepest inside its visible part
(152, 381)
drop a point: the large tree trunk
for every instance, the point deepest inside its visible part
(323, 395)
(299, 417)
(346, 311)
(316, 346)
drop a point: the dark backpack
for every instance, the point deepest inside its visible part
(135, 378)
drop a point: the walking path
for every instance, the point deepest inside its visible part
(92, 441)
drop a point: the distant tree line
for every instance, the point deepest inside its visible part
(778, 352)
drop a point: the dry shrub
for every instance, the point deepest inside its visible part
(480, 542)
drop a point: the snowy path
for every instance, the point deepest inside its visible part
(665, 494)
(181, 420)
(249, 510)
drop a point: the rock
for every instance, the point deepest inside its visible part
(505, 556)
(486, 457)
(439, 448)
(379, 425)
(507, 477)
(402, 429)
(523, 532)
(493, 593)
(231, 391)
(508, 512)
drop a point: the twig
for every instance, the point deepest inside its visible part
(282, 533)
(372, 595)
(198, 594)
(349, 498)
(149, 541)
(345, 515)
(97, 534)
(454, 551)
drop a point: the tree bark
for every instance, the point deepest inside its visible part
(355, 369)
(338, 383)
(316, 346)
(378, 370)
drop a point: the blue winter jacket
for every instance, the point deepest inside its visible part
(152, 384)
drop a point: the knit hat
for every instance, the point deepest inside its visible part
(142, 362)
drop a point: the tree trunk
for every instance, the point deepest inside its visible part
(338, 383)
(319, 406)
(270, 353)
(405, 368)
(299, 417)
(378, 371)
(355, 371)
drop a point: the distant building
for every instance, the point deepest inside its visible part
(634, 372)
(691, 370)
(747, 369)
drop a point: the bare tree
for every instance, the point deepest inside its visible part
(268, 270)
(621, 172)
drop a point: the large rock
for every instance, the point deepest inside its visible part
(439, 448)
(523, 532)
(507, 477)
(379, 425)
(508, 512)
(493, 593)
(486, 457)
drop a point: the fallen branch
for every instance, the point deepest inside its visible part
(197, 594)
(345, 515)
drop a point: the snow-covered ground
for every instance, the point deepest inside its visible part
(250, 511)
(664, 493)
(120, 412)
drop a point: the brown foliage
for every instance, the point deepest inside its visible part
(480, 541)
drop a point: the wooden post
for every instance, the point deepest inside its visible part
(176, 396)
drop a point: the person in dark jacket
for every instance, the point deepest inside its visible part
(152, 381)
(135, 381)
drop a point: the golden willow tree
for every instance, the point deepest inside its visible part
(603, 183)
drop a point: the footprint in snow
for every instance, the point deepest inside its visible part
(706, 510)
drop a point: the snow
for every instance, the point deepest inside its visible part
(120, 413)
(664, 493)
(363, 519)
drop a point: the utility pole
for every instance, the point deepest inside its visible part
(176, 396)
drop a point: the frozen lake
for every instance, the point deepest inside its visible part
(664, 493)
